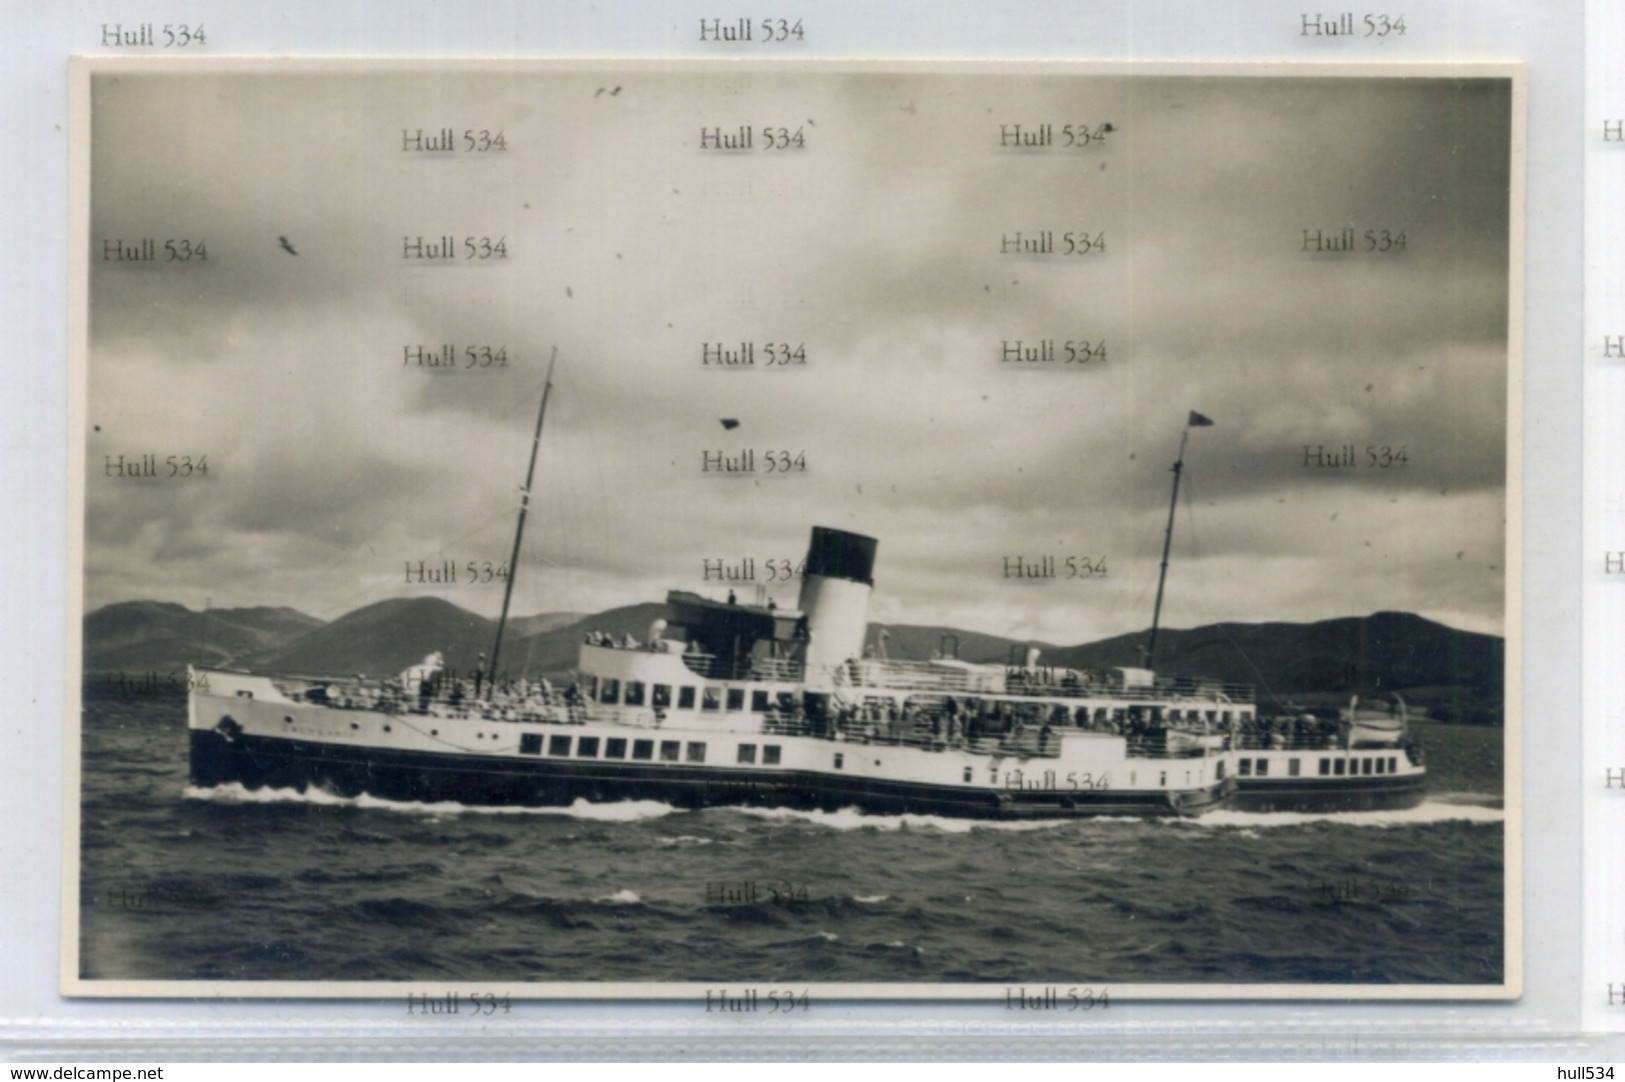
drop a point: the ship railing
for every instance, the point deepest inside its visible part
(387, 695)
(712, 667)
(779, 669)
(1176, 693)
(1027, 745)
(776, 725)
(1268, 741)
(702, 665)
(1159, 746)
(910, 676)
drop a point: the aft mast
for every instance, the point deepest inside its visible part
(524, 508)
(1196, 421)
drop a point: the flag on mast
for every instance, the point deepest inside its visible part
(1197, 421)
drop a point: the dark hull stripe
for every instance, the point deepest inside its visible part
(1334, 794)
(260, 762)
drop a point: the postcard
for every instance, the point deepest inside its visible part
(765, 533)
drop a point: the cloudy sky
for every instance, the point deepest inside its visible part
(877, 246)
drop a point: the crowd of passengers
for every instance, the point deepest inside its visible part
(1297, 731)
(502, 699)
(950, 721)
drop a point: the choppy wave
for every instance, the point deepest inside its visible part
(1431, 811)
(853, 819)
(369, 889)
(620, 812)
(621, 897)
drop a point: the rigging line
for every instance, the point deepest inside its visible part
(1190, 525)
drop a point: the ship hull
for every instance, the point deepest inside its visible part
(1330, 794)
(349, 770)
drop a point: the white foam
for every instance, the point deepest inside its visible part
(236, 793)
(853, 819)
(870, 899)
(683, 839)
(621, 897)
(1432, 811)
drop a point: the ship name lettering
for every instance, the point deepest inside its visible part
(1613, 345)
(1613, 563)
(1615, 777)
(1613, 131)
(1613, 993)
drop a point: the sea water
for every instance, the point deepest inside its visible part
(179, 883)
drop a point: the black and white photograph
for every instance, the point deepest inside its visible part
(779, 532)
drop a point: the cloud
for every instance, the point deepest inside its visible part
(876, 247)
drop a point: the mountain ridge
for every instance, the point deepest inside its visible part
(1454, 674)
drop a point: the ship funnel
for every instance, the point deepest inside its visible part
(835, 588)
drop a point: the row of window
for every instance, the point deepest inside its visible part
(615, 747)
(614, 692)
(1333, 767)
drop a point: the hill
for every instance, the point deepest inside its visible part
(139, 636)
(1455, 675)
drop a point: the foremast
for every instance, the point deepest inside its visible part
(1196, 420)
(519, 528)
